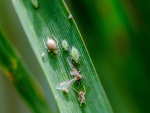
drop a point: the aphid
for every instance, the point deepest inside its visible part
(65, 45)
(52, 45)
(70, 16)
(64, 85)
(35, 3)
(81, 96)
(75, 54)
(43, 54)
(74, 71)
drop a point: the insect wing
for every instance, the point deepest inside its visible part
(60, 85)
(74, 72)
(65, 84)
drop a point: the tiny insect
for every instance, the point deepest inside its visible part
(75, 54)
(51, 45)
(81, 96)
(65, 45)
(43, 54)
(35, 3)
(64, 85)
(70, 16)
(74, 71)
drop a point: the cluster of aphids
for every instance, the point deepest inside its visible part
(53, 47)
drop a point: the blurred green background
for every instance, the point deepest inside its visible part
(117, 36)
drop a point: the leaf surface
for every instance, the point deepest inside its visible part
(51, 18)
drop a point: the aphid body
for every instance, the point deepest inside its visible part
(75, 54)
(51, 45)
(65, 45)
(64, 85)
(74, 71)
(81, 97)
(35, 3)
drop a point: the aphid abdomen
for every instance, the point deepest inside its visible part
(35, 3)
(51, 44)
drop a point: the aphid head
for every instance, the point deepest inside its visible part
(81, 93)
(78, 76)
(51, 44)
(75, 54)
(65, 45)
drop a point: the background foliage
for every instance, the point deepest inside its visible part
(117, 37)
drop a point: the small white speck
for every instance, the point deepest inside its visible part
(70, 16)
(43, 54)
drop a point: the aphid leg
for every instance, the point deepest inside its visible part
(84, 90)
(53, 55)
(45, 45)
(79, 69)
(75, 90)
(57, 44)
(55, 39)
(59, 52)
(81, 103)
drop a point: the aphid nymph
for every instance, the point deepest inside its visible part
(74, 71)
(65, 45)
(51, 45)
(35, 3)
(75, 54)
(64, 85)
(81, 97)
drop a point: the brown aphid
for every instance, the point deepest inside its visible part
(74, 71)
(81, 97)
(51, 45)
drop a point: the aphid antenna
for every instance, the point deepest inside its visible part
(55, 39)
(84, 89)
(45, 44)
(56, 44)
(75, 90)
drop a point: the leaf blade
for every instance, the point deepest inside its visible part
(51, 18)
(21, 78)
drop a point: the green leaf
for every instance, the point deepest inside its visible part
(21, 78)
(51, 18)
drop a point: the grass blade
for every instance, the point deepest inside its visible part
(51, 18)
(20, 77)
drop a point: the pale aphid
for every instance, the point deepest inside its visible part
(75, 54)
(51, 45)
(35, 3)
(43, 54)
(70, 16)
(64, 85)
(74, 71)
(65, 45)
(81, 97)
